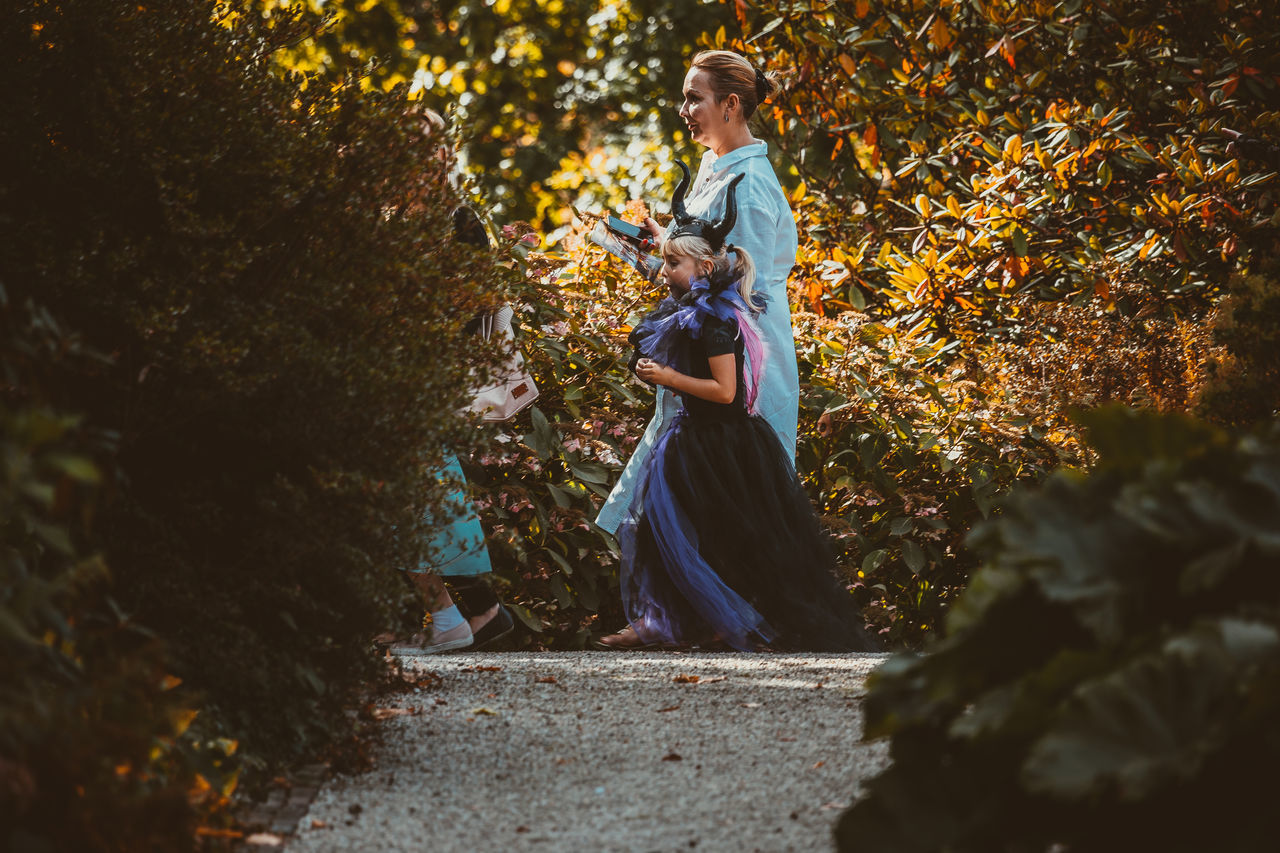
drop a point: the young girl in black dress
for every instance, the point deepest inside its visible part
(720, 542)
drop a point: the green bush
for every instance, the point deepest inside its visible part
(1243, 377)
(1108, 681)
(917, 454)
(91, 752)
(264, 261)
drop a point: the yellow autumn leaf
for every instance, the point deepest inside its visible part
(1013, 149)
(1148, 246)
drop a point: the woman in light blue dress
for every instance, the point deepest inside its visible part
(721, 93)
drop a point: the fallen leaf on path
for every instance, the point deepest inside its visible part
(749, 705)
(684, 678)
(265, 839)
(488, 669)
(832, 805)
(210, 832)
(488, 712)
(547, 679)
(816, 766)
(522, 828)
(318, 824)
(672, 708)
(384, 713)
(671, 756)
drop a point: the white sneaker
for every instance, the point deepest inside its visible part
(441, 641)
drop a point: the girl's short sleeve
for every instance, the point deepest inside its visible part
(718, 337)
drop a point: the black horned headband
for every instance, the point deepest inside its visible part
(689, 226)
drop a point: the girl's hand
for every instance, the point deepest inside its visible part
(651, 371)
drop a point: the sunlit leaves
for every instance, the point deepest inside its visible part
(532, 85)
(942, 95)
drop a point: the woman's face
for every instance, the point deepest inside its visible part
(700, 111)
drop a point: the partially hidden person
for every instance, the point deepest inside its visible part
(462, 609)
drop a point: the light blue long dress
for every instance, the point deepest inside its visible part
(766, 228)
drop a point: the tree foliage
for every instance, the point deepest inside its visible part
(558, 101)
(977, 151)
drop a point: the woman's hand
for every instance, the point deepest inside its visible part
(651, 371)
(659, 235)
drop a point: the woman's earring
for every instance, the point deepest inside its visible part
(726, 116)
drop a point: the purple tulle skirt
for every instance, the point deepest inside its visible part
(721, 544)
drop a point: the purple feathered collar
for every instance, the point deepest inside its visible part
(660, 334)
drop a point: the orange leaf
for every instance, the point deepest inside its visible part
(941, 34)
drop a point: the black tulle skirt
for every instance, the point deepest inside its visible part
(721, 543)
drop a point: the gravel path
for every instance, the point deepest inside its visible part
(586, 751)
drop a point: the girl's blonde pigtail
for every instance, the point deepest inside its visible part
(745, 271)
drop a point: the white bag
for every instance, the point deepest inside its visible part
(512, 390)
